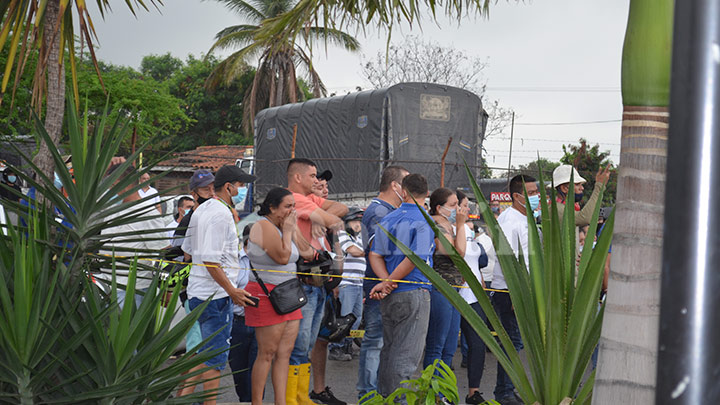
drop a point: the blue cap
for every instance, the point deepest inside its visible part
(201, 178)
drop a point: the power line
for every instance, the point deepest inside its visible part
(555, 89)
(569, 123)
(505, 138)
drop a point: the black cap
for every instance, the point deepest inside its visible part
(230, 174)
(326, 175)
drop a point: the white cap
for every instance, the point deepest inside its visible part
(561, 175)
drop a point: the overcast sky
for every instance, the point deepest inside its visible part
(552, 62)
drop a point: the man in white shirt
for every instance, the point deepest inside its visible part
(147, 191)
(514, 224)
(131, 246)
(213, 242)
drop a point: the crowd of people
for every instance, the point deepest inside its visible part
(265, 288)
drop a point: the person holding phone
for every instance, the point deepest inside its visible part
(275, 244)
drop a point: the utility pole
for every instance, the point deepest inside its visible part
(688, 351)
(512, 131)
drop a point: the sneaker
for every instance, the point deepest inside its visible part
(325, 397)
(476, 398)
(338, 354)
(513, 399)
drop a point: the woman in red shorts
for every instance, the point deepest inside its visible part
(275, 244)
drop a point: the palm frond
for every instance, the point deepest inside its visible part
(333, 37)
(240, 37)
(252, 13)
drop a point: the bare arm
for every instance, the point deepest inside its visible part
(355, 251)
(265, 235)
(335, 208)
(607, 273)
(238, 295)
(306, 251)
(321, 217)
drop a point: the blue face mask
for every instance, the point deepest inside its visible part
(187, 211)
(11, 179)
(57, 182)
(534, 201)
(242, 192)
(453, 215)
(578, 197)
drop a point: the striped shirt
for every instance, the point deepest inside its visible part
(353, 267)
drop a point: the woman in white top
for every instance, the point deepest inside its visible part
(275, 244)
(476, 347)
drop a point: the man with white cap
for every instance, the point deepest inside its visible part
(561, 181)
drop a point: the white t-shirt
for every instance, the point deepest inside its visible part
(486, 241)
(150, 192)
(121, 247)
(472, 254)
(515, 226)
(211, 237)
(170, 229)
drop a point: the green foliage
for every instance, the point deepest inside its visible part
(533, 167)
(217, 115)
(160, 67)
(557, 312)
(16, 116)
(436, 382)
(155, 112)
(588, 160)
(64, 340)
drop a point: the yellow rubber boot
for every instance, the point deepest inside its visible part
(292, 385)
(303, 386)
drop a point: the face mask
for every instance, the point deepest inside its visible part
(187, 211)
(12, 179)
(495, 210)
(201, 199)
(536, 214)
(534, 201)
(399, 197)
(578, 197)
(453, 215)
(242, 192)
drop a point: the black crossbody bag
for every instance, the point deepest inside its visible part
(286, 297)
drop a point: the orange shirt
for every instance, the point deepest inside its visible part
(305, 205)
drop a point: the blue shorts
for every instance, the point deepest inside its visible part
(217, 316)
(194, 337)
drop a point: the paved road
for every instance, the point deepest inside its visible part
(341, 376)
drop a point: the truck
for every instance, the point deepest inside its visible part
(428, 128)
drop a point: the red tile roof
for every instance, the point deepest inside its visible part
(207, 157)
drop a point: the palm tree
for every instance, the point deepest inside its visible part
(48, 27)
(628, 345)
(275, 80)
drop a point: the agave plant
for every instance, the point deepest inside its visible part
(557, 311)
(64, 339)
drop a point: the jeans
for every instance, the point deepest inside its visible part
(372, 343)
(121, 294)
(217, 316)
(405, 317)
(312, 313)
(444, 327)
(242, 356)
(503, 307)
(351, 300)
(475, 351)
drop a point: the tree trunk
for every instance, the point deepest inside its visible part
(55, 95)
(626, 372)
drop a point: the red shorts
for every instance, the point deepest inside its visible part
(264, 314)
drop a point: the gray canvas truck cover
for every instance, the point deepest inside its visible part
(357, 135)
